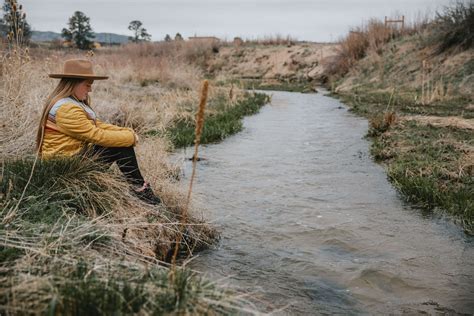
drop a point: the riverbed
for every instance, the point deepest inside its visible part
(311, 225)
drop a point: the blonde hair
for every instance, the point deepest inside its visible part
(64, 89)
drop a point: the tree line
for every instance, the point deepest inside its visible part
(78, 31)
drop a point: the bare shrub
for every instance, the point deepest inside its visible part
(369, 39)
(272, 40)
(356, 45)
(454, 27)
(381, 123)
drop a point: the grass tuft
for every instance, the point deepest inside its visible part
(56, 184)
(84, 289)
(379, 124)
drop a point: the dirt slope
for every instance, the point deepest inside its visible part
(298, 62)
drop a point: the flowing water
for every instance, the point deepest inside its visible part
(310, 223)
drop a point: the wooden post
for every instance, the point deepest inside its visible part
(423, 82)
(428, 81)
(403, 22)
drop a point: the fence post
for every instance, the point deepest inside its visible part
(423, 82)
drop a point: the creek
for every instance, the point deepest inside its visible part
(312, 225)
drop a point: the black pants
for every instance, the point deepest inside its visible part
(124, 157)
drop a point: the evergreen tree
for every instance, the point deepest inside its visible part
(140, 33)
(168, 38)
(178, 37)
(14, 22)
(79, 31)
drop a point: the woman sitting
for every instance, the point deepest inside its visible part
(69, 126)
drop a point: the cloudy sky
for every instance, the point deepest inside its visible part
(312, 20)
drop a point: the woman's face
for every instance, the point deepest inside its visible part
(82, 89)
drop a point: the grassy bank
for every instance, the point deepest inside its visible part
(223, 120)
(302, 87)
(415, 87)
(75, 241)
(428, 150)
(271, 85)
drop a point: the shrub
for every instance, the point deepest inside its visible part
(454, 27)
(379, 124)
(358, 42)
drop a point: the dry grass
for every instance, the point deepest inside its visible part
(20, 99)
(379, 124)
(122, 101)
(360, 40)
(369, 39)
(275, 40)
(150, 87)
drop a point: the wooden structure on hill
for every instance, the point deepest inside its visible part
(389, 22)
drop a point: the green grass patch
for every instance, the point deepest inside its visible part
(367, 103)
(86, 292)
(51, 186)
(273, 85)
(428, 165)
(302, 87)
(9, 254)
(84, 289)
(224, 121)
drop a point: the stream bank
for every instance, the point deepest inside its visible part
(310, 223)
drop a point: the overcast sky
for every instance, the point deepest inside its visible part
(313, 20)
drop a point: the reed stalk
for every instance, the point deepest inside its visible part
(197, 140)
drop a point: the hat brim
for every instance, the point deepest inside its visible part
(78, 76)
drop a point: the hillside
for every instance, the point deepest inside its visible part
(399, 65)
(298, 62)
(415, 87)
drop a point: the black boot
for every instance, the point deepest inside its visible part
(148, 196)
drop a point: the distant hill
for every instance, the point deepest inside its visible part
(111, 38)
(38, 36)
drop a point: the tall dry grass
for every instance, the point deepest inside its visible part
(20, 99)
(150, 87)
(370, 38)
(121, 100)
(358, 42)
(273, 40)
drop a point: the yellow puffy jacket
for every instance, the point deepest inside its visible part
(72, 124)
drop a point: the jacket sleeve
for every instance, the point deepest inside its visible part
(73, 121)
(111, 127)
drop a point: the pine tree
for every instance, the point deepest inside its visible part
(13, 25)
(140, 33)
(168, 38)
(79, 31)
(178, 37)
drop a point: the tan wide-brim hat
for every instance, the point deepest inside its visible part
(78, 68)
